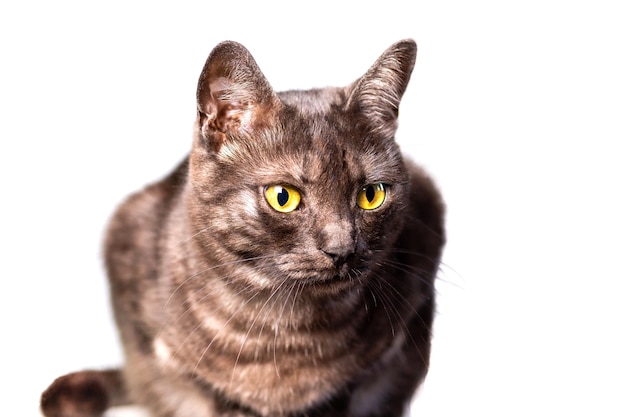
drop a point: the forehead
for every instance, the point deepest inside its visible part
(314, 102)
(299, 153)
(313, 140)
(328, 152)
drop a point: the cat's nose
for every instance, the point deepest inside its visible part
(339, 255)
(338, 242)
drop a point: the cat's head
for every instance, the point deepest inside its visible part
(306, 186)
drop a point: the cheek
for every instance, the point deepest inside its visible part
(250, 217)
(281, 232)
(377, 228)
(226, 218)
(248, 202)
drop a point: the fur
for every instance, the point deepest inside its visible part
(228, 307)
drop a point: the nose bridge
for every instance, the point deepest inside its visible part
(338, 229)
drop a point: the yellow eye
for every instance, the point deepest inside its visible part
(372, 196)
(282, 198)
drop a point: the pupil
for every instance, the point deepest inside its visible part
(283, 197)
(369, 193)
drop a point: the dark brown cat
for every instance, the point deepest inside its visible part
(285, 268)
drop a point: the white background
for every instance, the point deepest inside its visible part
(516, 108)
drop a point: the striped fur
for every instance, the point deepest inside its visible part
(227, 307)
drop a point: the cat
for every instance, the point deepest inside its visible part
(285, 268)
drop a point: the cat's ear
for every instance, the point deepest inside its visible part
(376, 95)
(233, 95)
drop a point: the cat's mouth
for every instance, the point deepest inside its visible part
(327, 277)
(335, 281)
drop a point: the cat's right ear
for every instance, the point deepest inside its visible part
(233, 95)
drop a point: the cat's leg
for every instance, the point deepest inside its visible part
(160, 386)
(162, 390)
(173, 395)
(168, 398)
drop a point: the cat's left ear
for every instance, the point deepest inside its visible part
(377, 94)
(233, 95)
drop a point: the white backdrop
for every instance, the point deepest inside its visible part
(516, 108)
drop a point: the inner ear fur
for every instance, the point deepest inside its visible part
(377, 94)
(233, 94)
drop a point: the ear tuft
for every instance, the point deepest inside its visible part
(231, 93)
(377, 94)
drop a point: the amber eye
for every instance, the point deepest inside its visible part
(282, 198)
(372, 196)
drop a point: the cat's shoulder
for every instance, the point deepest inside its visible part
(144, 211)
(425, 199)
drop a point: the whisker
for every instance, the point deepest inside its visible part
(395, 297)
(274, 292)
(400, 320)
(381, 294)
(442, 266)
(209, 313)
(204, 352)
(170, 321)
(280, 316)
(180, 242)
(299, 289)
(412, 218)
(212, 312)
(211, 268)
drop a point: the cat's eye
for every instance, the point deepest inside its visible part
(372, 196)
(282, 198)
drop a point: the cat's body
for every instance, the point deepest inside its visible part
(285, 268)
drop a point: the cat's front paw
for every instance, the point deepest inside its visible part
(79, 394)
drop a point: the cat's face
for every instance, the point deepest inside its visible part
(299, 186)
